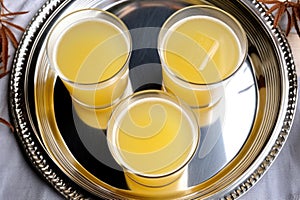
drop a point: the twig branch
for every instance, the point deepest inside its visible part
(7, 36)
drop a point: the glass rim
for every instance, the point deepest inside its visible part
(162, 36)
(124, 32)
(167, 97)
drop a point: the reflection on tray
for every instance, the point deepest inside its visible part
(77, 137)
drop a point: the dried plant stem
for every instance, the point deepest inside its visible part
(7, 36)
(285, 7)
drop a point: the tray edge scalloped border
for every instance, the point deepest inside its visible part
(17, 113)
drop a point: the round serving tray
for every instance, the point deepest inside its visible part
(236, 148)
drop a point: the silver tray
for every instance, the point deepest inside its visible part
(234, 152)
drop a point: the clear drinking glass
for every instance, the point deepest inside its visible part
(153, 136)
(89, 49)
(201, 47)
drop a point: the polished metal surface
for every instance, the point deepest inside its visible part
(236, 148)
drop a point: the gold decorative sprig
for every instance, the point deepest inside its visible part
(6, 36)
(281, 7)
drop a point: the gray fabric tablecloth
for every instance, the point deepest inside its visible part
(19, 181)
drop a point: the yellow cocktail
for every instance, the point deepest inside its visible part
(89, 49)
(200, 48)
(152, 137)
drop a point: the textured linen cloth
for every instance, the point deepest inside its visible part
(18, 181)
